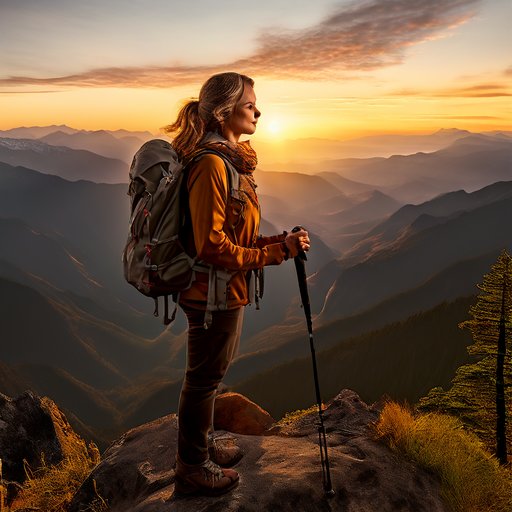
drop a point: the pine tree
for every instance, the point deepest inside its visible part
(490, 328)
(481, 391)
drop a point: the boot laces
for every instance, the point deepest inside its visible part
(221, 444)
(212, 472)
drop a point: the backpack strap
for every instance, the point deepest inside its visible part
(218, 280)
(232, 173)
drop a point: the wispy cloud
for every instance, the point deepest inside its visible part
(31, 92)
(119, 77)
(485, 90)
(465, 118)
(363, 36)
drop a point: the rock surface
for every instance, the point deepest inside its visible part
(31, 427)
(236, 413)
(279, 472)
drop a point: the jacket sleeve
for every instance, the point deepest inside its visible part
(208, 189)
(263, 241)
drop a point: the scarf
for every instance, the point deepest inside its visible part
(244, 159)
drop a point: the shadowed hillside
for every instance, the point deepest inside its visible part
(339, 218)
(419, 257)
(389, 242)
(90, 221)
(94, 231)
(407, 219)
(88, 365)
(402, 360)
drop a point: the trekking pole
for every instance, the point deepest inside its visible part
(300, 267)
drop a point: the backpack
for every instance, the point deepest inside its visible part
(154, 258)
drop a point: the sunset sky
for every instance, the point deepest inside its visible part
(328, 68)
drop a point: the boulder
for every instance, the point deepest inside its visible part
(236, 413)
(33, 429)
(345, 413)
(280, 471)
(30, 428)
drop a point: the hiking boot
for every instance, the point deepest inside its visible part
(206, 479)
(223, 450)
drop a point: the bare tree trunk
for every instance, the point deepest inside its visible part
(501, 414)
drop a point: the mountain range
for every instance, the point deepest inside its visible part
(378, 261)
(427, 245)
(71, 164)
(470, 162)
(120, 144)
(292, 154)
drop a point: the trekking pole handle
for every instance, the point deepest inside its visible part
(302, 254)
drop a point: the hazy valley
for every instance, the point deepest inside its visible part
(400, 241)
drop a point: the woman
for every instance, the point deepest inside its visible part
(225, 235)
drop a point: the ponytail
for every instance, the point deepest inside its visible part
(189, 129)
(216, 103)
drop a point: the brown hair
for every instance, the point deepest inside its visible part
(217, 100)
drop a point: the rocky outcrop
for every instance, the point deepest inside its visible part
(33, 429)
(236, 413)
(279, 471)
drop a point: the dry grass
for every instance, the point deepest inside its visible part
(3, 490)
(50, 488)
(471, 479)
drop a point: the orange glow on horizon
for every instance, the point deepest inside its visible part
(290, 109)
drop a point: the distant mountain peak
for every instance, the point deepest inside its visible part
(377, 193)
(59, 133)
(446, 131)
(36, 132)
(55, 126)
(480, 138)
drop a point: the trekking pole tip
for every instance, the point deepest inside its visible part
(330, 493)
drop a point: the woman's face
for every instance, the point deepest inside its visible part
(244, 117)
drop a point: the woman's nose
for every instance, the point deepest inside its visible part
(257, 114)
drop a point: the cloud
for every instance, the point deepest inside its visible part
(465, 118)
(364, 36)
(485, 90)
(119, 77)
(361, 36)
(31, 92)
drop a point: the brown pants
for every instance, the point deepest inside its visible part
(209, 353)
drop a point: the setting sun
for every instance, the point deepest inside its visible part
(274, 126)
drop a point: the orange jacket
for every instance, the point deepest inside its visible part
(225, 233)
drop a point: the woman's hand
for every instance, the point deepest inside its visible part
(298, 241)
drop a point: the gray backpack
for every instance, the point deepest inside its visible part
(154, 258)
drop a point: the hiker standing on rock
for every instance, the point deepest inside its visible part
(224, 221)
